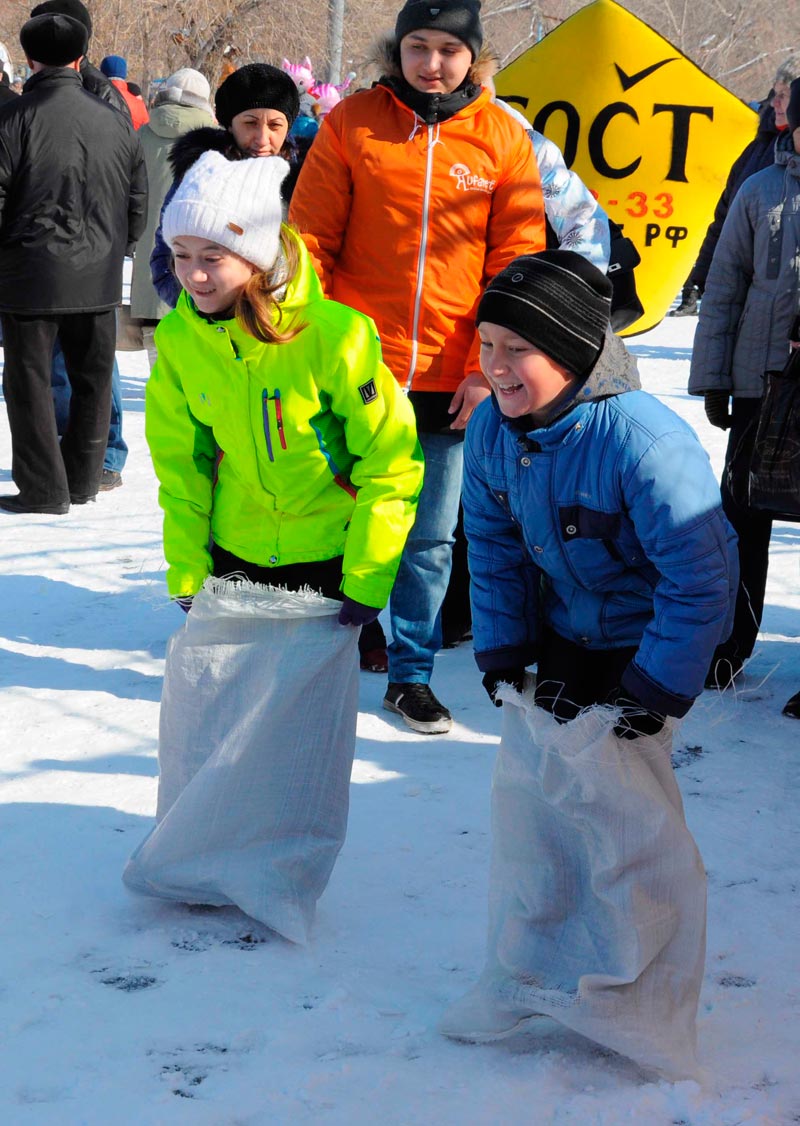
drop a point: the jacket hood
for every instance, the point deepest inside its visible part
(766, 120)
(431, 108)
(785, 155)
(384, 59)
(303, 289)
(191, 146)
(615, 371)
(172, 120)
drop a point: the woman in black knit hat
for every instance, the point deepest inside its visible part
(255, 107)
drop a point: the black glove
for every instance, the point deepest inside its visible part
(492, 681)
(355, 613)
(716, 404)
(635, 718)
(185, 602)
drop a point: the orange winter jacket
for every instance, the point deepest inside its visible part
(407, 222)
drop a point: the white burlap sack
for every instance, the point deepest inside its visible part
(597, 890)
(256, 743)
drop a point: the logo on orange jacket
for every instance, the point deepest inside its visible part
(466, 181)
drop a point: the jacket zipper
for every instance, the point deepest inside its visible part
(265, 414)
(423, 250)
(266, 398)
(279, 418)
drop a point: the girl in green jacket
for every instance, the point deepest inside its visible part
(284, 448)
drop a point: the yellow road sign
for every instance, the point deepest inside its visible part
(646, 129)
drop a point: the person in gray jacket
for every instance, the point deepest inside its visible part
(181, 105)
(748, 317)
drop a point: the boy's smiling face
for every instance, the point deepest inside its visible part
(524, 379)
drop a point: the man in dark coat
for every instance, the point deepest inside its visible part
(96, 83)
(73, 201)
(760, 153)
(92, 78)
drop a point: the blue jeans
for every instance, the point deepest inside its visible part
(117, 449)
(421, 584)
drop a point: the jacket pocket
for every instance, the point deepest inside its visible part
(582, 523)
(589, 539)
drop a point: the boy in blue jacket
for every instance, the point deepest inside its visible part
(598, 548)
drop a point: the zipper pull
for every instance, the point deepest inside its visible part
(279, 418)
(265, 415)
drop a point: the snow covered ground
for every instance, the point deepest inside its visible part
(119, 1009)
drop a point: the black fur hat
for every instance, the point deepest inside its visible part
(53, 40)
(72, 8)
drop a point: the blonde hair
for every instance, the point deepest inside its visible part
(258, 307)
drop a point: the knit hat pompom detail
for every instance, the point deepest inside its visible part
(256, 86)
(556, 300)
(459, 18)
(53, 40)
(234, 203)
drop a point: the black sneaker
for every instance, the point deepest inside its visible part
(111, 479)
(723, 672)
(419, 708)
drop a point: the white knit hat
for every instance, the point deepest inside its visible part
(236, 203)
(186, 87)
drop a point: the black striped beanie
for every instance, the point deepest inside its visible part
(558, 301)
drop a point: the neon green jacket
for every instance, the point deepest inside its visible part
(282, 453)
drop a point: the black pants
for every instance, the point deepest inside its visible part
(569, 677)
(753, 529)
(44, 470)
(456, 608)
(324, 576)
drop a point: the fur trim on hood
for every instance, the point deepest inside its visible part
(191, 146)
(383, 58)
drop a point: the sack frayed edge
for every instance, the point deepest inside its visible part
(234, 596)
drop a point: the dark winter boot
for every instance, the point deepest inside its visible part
(689, 299)
(792, 708)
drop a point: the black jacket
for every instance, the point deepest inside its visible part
(760, 153)
(73, 198)
(96, 83)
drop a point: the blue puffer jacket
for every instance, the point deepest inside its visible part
(605, 525)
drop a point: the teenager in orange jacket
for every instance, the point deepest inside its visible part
(413, 196)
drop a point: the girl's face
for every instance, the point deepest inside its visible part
(212, 275)
(524, 379)
(260, 132)
(434, 62)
